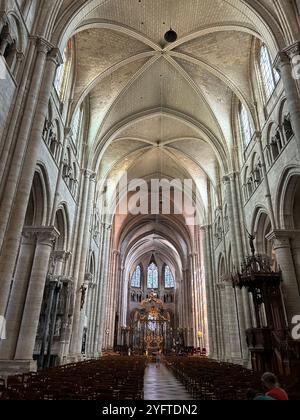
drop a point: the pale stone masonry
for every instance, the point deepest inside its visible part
(90, 92)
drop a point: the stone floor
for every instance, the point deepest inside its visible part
(161, 385)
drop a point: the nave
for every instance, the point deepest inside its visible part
(115, 378)
(149, 196)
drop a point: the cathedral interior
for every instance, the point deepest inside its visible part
(150, 190)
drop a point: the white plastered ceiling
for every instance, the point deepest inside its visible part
(144, 93)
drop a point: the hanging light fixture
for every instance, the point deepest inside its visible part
(171, 36)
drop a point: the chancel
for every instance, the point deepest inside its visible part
(149, 199)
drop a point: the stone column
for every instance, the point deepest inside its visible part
(111, 307)
(242, 295)
(80, 268)
(13, 206)
(186, 304)
(291, 288)
(120, 303)
(237, 313)
(211, 314)
(104, 282)
(99, 292)
(284, 66)
(91, 311)
(202, 290)
(223, 322)
(30, 319)
(195, 292)
(18, 294)
(115, 299)
(233, 338)
(112, 259)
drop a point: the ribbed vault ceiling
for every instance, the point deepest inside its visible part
(143, 93)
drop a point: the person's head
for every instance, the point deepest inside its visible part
(269, 380)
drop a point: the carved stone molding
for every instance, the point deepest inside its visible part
(43, 46)
(282, 238)
(42, 235)
(293, 50)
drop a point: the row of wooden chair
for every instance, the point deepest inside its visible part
(109, 378)
(210, 380)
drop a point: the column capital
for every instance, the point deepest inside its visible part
(281, 238)
(43, 46)
(28, 235)
(292, 50)
(43, 234)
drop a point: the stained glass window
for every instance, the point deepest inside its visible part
(169, 279)
(136, 277)
(152, 282)
(246, 126)
(270, 76)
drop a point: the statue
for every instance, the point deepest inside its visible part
(83, 295)
(252, 238)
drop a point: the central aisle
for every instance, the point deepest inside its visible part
(161, 385)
